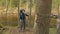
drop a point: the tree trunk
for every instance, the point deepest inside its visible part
(58, 25)
(7, 4)
(29, 8)
(43, 11)
(18, 13)
(58, 19)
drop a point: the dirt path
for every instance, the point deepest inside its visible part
(16, 31)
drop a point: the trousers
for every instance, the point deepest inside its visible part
(22, 24)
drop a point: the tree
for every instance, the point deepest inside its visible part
(30, 9)
(7, 4)
(58, 19)
(18, 13)
(43, 11)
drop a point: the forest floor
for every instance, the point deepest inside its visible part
(15, 30)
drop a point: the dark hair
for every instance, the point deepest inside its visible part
(23, 10)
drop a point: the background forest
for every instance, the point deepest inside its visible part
(9, 13)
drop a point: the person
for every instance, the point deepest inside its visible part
(22, 19)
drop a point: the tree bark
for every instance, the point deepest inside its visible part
(7, 4)
(43, 11)
(58, 26)
(18, 13)
(58, 19)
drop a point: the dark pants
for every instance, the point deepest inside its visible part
(22, 24)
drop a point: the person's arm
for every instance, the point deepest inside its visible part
(26, 15)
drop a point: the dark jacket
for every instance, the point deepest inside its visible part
(22, 15)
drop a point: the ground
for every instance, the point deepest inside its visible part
(15, 30)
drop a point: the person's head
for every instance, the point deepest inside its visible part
(22, 11)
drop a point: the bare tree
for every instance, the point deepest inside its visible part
(58, 19)
(18, 12)
(43, 11)
(29, 8)
(7, 4)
